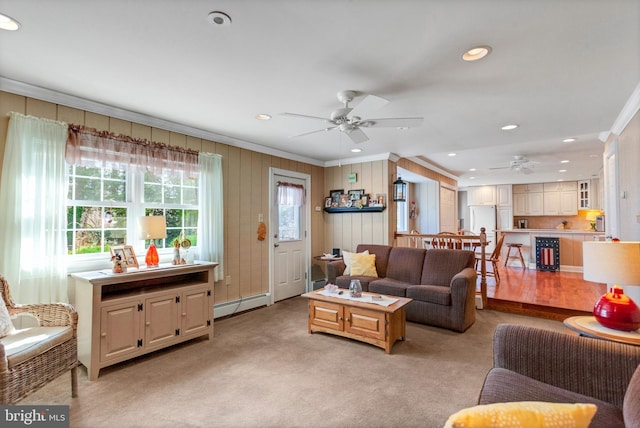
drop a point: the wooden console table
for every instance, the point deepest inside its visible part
(125, 315)
(371, 323)
(589, 326)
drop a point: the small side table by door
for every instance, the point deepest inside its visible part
(589, 326)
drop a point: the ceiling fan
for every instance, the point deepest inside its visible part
(520, 164)
(349, 120)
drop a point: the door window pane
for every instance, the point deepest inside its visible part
(289, 222)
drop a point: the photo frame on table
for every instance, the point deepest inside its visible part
(126, 253)
(344, 201)
(335, 195)
(327, 202)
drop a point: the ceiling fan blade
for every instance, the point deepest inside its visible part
(356, 135)
(368, 103)
(313, 132)
(305, 116)
(501, 167)
(398, 122)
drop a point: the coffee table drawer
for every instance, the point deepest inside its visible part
(328, 315)
(366, 323)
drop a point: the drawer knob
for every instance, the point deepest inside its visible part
(148, 322)
(104, 335)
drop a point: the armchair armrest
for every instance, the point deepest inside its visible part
(597, 368)
(50, 314)
(335, 269)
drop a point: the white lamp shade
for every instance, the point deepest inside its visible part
(153, 227)
(611, 262)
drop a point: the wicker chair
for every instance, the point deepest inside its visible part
(27, 364)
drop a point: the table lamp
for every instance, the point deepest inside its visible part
(152, 227)
(591, 218)
(618, 263)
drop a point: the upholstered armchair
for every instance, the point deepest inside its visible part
(32, 357)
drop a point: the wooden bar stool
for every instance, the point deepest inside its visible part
(515, 256)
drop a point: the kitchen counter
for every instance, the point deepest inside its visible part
(570, 245)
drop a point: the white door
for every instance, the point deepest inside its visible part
(290, 257)
(448, 210)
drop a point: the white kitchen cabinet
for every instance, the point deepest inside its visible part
(481, 195)
(588, 194)
(528, 203)
(560, 198)
(504, 218)
(503, 195)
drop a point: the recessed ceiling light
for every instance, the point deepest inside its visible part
(451, 154)
(569, 140)
(472, 169)
(219, 19)
(472, 178)
(356, 150)
(562, 170)
(476, 53)
(8, 23)
(509, 127)
(402, 128)
(565, 161)
(263, 116)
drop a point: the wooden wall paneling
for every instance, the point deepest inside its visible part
(42, 109)
(142, 132)
(177, 140)
(267, 163)
(232, 189)
(96, 121)
(119, 126)
(256, 189)
(220, 289)
(209, 147)
(70, 115)
(194, 143)
(317, 225)
(8, 102)
(246, 223)
(160, 136)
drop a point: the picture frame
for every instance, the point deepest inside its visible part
(364, 200)
(127, 253)
(355, 194)
(335, 195)
(344, 201)
(327, 202)
(381, 199)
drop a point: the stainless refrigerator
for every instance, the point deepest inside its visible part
(484, 216)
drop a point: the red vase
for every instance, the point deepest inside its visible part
(617, 311)
(152, 258)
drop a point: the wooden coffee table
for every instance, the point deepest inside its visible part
(371, 323)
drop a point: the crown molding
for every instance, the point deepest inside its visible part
(49, 95)
(369, 158)
(434, 168)
(627, 113)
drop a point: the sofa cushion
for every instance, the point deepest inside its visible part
(27, 343)
(6, 326)
(441, 265)
(524, 414)
(346, 257)
(631, 406)
(405, 264)
(502, 385)
(430, 293)
(389, 286)
(382, 256)
(363, 265)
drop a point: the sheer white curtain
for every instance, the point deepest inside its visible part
(290, 194)
(210, 218)
(33, 195)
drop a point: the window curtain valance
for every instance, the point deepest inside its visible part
(92, 148)
(290, 194)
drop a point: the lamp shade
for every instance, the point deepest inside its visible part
(153, 227)
(611, 262)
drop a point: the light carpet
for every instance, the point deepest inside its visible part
(263, 369)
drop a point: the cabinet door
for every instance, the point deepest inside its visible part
(161, 320)
(120, 334)
(327, 315)
(197, 310)
(505, 218)
(365, 322)
(520, 204)
(551, 203)
(534, 203)
(503, 195)
(568, 205)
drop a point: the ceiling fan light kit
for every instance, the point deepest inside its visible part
(349, 120)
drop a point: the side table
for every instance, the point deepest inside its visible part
(588, 326)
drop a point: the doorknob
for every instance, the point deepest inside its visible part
(276, 245)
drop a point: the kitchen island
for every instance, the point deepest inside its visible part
(570, 245)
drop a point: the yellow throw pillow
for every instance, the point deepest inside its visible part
(346, 258)
(529, 414)
(363, 265)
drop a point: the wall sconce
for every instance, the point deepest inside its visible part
(152, 227)
(399, 190)
(614, 263)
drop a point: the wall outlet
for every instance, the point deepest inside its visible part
(227, 280)
(318, 208)
(260, 217)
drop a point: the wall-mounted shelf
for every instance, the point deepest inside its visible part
(355, 210)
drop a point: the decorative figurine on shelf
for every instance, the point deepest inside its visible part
(119, 265)
(181, 242)
(176, 252)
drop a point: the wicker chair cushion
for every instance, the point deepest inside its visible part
(6, 326)
(30, 342)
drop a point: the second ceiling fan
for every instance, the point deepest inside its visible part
(349, 120)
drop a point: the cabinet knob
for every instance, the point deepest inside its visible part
(148, 322)
(104, 335)
(184, 314)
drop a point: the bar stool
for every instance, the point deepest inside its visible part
(515, 256)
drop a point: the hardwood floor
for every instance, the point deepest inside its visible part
(553, 295)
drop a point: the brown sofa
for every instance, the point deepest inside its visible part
(441, 282)
(531, 364)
